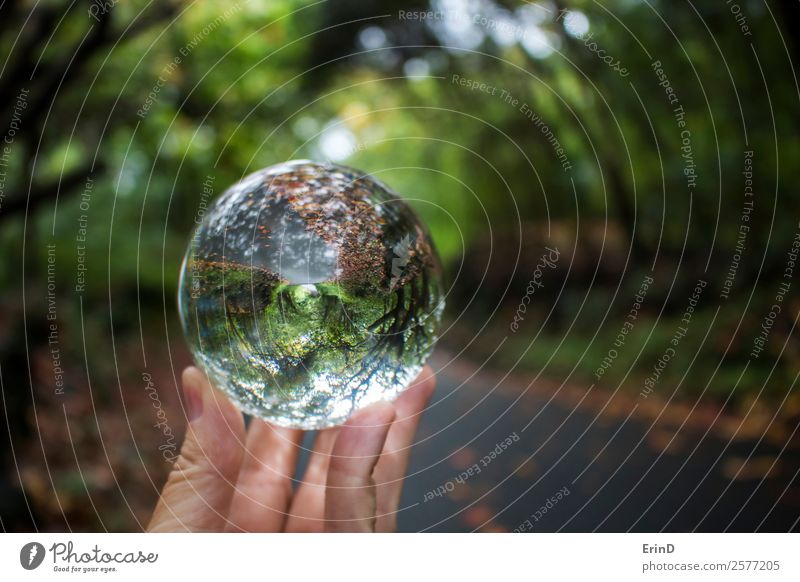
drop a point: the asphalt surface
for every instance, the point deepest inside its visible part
(581, 468)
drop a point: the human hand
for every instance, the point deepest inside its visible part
(231, 479)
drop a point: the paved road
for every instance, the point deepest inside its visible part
(574, 469)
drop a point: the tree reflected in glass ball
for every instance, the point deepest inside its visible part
(309, 291)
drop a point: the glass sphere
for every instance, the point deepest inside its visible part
(309, 291)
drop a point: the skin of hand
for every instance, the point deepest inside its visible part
(231, 479)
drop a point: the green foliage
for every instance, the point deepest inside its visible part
(218, 90)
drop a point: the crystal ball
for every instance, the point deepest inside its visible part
(309, 291)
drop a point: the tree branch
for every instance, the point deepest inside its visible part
(40, 193)
(16, 77)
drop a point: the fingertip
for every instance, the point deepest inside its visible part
(379, 414)
(192, 377)
(414, 399)
(204, 402)
(364, 434)
(427, 374)
(425, 382)
(192, 382)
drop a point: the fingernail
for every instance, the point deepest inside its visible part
(194, 401)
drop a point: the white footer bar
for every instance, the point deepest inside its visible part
(401, 557)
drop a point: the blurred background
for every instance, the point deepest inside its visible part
(612, 188)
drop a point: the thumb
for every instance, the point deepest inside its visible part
(200, 487)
